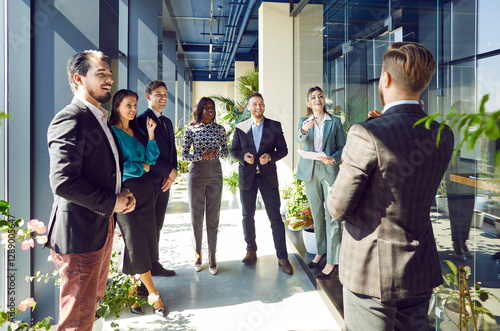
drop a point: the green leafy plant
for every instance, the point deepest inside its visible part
(297, 212)
(248, 83)
(119, 292)
(232, 181)
(183, 166)
(470, 126)
(448, 295)
(442, 189)
(286, 191)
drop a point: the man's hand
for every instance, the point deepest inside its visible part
(248, 158)
(374, 113)
(173, 174)
(166, 183)
(264, 158)
(124, 201)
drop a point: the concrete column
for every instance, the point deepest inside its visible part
(169, 64)
(240, 68)
(308, 62)
(276, 73)
(143, 46)
(181, 121)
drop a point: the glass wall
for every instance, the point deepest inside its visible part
(352, 36)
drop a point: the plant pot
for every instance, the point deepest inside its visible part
(477, 220)
(441, 204)
(309, 240)
(98, 324)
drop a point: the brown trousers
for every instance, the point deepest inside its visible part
(84, 278)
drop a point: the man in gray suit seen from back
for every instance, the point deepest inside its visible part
(387, 181)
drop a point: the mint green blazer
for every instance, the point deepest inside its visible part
(333, 142)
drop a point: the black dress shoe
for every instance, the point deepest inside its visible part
(137, 310)
(158, 270)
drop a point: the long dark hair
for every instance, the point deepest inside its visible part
(198, 110)
(115, 117)
(309, 92)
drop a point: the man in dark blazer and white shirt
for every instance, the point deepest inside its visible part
(164, 172)
(258, 143)
(85, 177)
(387, 181)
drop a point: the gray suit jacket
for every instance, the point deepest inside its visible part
(333, 142)
(82, 178)
(272, 142)
(384, 190)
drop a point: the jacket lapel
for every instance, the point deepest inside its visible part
(327, 130)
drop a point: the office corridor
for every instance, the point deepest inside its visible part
(239, 297)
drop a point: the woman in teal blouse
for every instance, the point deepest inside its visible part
(138, 227)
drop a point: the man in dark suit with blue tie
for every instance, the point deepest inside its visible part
(164, 172)
(258, 143)
(85, 177)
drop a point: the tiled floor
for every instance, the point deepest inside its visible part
(239, 297)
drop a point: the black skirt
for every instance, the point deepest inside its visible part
(138, 228)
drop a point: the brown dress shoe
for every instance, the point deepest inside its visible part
(286, 266)
(250, 257)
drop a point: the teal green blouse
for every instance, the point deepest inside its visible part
(134, 153)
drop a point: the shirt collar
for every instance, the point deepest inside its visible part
(156, 112)
(100, 113)
(400, 102)
(255, 124)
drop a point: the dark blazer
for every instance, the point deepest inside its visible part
(272, 142)
(166, 144)
(387, 181)
(83, 181)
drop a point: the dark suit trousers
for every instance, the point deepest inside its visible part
(83, 283)
(161, 203)
(271, 197)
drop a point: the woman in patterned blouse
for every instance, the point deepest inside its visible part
(209, 143)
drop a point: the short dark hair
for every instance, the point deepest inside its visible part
(256, 94)
(115, 117)
(198, 109)
(80, 64)
(153, 85)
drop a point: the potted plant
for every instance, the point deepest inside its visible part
(296, 205)
(463, 306)
(231, 182)
(441, 198)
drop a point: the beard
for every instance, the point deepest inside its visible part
(101, 98)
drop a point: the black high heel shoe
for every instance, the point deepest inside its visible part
(136, 310)
(160, 311)
(321, 274)
(315, 264)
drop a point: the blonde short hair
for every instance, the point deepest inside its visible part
(410, 65)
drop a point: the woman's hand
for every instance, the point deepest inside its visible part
(374, 113)
(151, 126)
(146, 166)
(209, 154)
(327, 159)
(307, 125)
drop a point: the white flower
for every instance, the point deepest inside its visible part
(41, 239)
(152, 298)
(137, 276)
(49, 258)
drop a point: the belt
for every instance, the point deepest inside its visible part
(257, 171)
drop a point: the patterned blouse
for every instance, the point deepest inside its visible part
(203, 136)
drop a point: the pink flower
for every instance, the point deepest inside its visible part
(37, 226)
(25, 245)
(28, 302)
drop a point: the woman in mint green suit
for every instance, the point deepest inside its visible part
(321, 132)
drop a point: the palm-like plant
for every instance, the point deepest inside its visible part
(248, 83)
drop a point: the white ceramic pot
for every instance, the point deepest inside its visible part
(309, 240)
(477, 220)
(441, 204)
